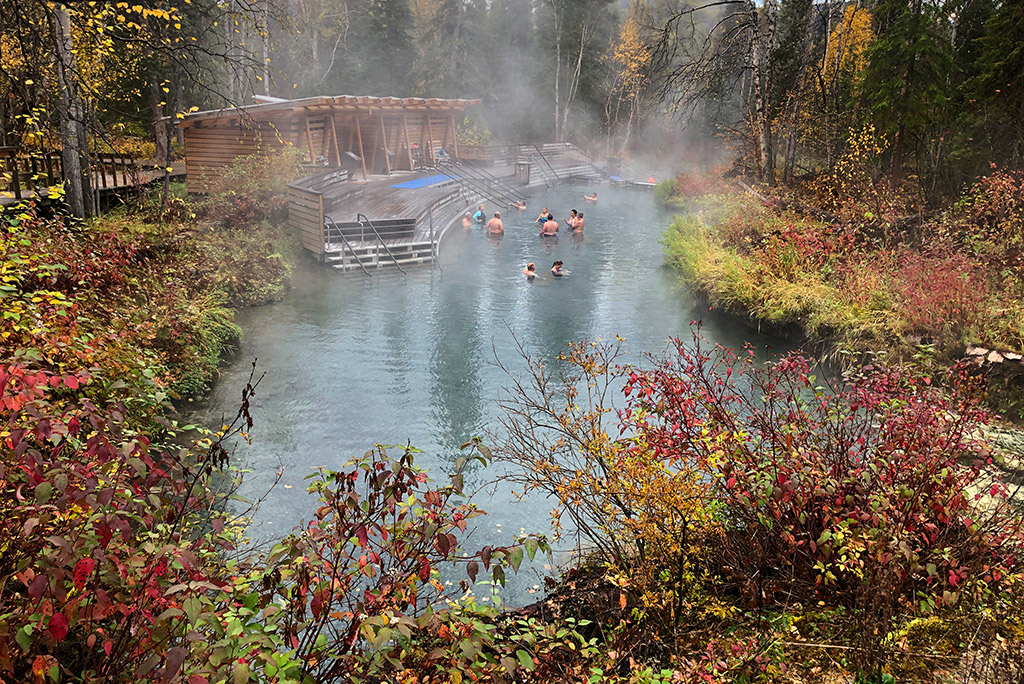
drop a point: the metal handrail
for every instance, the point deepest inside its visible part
(473, 184)
(361, 218)
(545, 160)
(433, 245)
(506, 188)
(347, 243)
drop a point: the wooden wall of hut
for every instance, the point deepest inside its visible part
(366, 142)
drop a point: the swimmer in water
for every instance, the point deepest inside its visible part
(495, 226)
(578, 226)
(556, 269)
(571, 221)
(467, 220)
(519, 205)
(550, 226)
(591, 198)
(543, 216)
(530, 271)
(479, 216)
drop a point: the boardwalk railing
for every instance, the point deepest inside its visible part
(23, 172)
(362, 219)
(26, 173)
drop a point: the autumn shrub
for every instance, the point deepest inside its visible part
(644, 516)
(251, 189)
(120, 560)
(855, 192)
(107, 534)
(878, 494)
(684, 188)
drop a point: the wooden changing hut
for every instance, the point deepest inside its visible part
(363, 134)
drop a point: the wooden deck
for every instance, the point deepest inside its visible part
(398, 219)
(108, 185)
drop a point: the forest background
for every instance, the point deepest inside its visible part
(783, 83)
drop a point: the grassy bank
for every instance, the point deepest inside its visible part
(867, 274)
(141, 290)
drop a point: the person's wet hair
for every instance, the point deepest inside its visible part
(579, 215)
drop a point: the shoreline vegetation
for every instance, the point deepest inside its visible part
(798, 533)
(862, 268)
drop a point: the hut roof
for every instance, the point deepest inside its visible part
(358, 104)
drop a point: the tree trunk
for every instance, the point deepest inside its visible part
(796, 96)
(69, 112)
(575, 81)
(764, 40)
(558, 70)
(160, 133)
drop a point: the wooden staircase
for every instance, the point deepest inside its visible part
(374, 256)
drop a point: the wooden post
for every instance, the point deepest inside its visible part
(455, 138)
(309, 140)
(444, 140)
(430, 137)
(408, 142)
(373, 154)
(15, 173)
(359, 137)
(384, 139)
(325, 141)
(334, 139)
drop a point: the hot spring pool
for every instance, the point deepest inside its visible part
(351, 361)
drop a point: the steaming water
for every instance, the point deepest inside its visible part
(351, 361)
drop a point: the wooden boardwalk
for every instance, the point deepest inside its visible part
(107, 185)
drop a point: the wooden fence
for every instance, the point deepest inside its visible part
(25, 172)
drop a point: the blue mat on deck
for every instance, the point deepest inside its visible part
(423, 182)
(615, 178)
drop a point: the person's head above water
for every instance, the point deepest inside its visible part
(573, 212)
(557, 263)
(480, 207)
(497, 214)
(580, 215)
(531, 266)
(551, 217)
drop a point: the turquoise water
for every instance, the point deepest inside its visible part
(351, 361)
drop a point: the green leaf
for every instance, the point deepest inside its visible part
(525, 660)
(531, 547)
(192, 606)
(43, 492)
(241, 673)
(24, 638)
(515, 557)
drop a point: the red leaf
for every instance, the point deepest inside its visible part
(58, 628)
(38, 586)
(71, 381)
(83, 569)
(361, 536)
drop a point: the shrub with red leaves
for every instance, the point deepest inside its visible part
(877, 495)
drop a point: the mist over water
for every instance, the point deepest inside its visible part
(351, 361)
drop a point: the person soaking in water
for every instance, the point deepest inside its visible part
(550, 226)
(556, 269)
(591, 198)
(495, 226)
(530, 271)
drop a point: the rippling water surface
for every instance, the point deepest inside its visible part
(351, 361)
